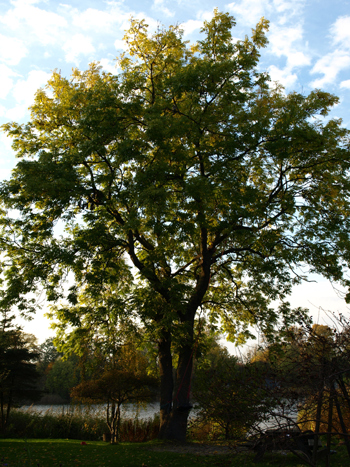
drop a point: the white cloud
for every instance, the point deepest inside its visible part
(47, 27)
(120, 44)
(190, 26)
(340, 31)
(205, 15)
(281, 38)
(17, 113)
(77, 45)
(98, 20)
(109, 65)
(6, 81)
(250, 10)
(12, 50)
(158, 5)
(24, 90)
(330, 65)
(92, 19)
(345, 84)
(24, 3)
(296, 59)
(5, 173)
(284, 76)
(284, 41)
(337, 60)
(5, 142)
(282, 5)
(290, 8)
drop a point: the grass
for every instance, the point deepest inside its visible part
(71, 453)
(77, 424)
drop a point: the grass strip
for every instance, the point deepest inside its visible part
(71, 453)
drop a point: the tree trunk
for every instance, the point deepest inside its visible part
(166, 381)
(117, 425)
(175, 406)
(329, 426)
(317, 424)
(342, 386)
(113, 413)
(2, 412)
(341, 420)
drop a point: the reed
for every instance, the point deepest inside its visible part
(77, 424)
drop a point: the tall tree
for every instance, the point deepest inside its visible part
(191, 166)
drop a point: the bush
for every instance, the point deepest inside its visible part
(200, 429)
(231, 398)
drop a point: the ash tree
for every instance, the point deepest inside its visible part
(188, 166)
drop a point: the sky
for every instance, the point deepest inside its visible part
(309, 47)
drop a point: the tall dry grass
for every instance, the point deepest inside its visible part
(77, 424)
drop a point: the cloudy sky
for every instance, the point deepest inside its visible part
(309, 47)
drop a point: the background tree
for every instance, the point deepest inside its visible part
(231, 395)
(191, 166)
(124, 380)
(18, 373)
(48, 355)
(309, 368)
(62, 375)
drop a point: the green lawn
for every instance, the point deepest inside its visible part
(71, 453)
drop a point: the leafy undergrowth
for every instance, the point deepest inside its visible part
(71, 453)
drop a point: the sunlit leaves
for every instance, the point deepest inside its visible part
(216, 185)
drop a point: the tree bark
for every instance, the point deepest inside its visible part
(329, 427)
(317, 424)
(2, 412)
(166, 381)
(341, 420)
(175, 404)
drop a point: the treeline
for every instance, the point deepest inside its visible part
(32, 373)
(298, 381)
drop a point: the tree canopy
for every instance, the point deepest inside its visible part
(187, 170)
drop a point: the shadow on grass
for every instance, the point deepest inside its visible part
(72, 453)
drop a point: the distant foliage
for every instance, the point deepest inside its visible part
(62, 376)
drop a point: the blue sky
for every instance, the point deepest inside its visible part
(309, 43)
(309, 47)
